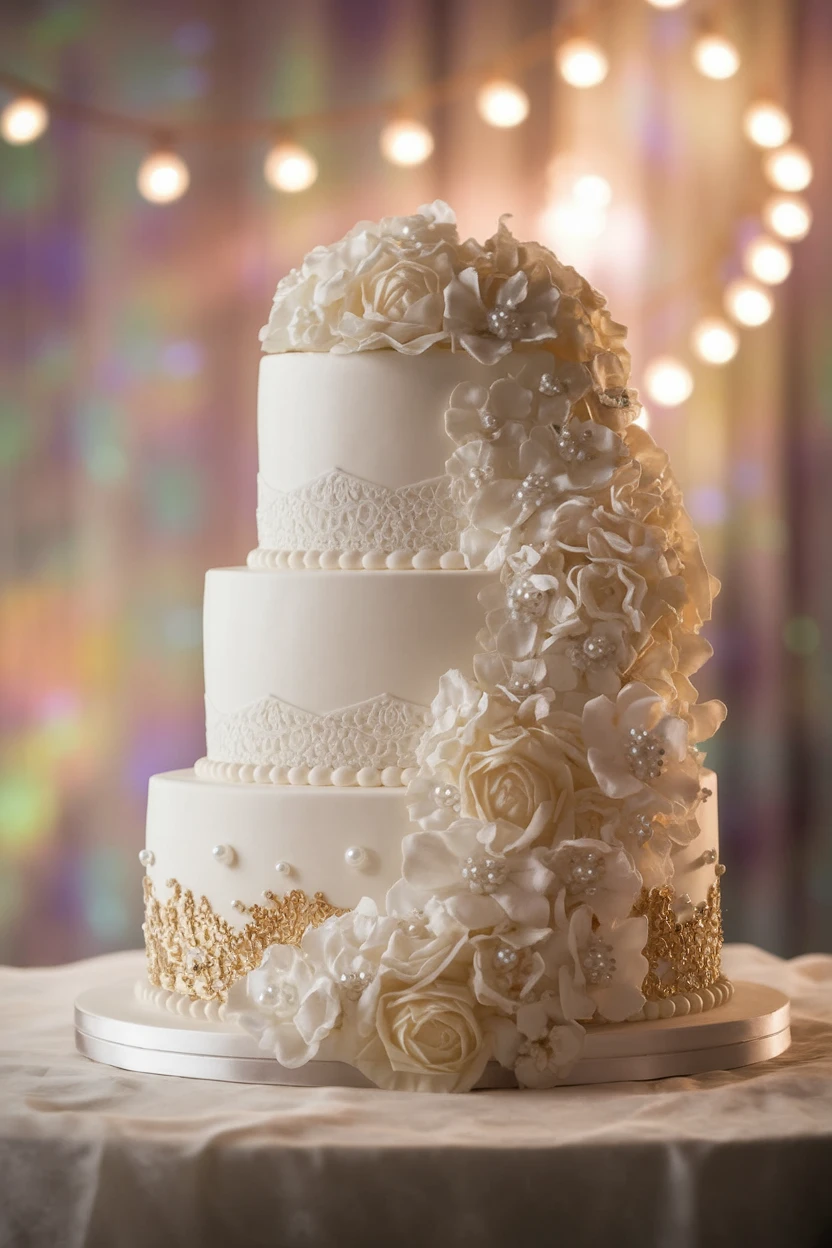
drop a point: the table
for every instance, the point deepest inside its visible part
(91, 1155)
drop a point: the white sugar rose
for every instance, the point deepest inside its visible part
(401, 305)
(511, 779)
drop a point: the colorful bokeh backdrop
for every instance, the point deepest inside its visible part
(127, 442)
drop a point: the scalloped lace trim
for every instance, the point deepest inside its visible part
(338, 511)
(375, 735)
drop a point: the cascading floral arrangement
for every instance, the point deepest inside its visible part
(552, 786)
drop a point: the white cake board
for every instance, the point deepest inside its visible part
(114, 1027)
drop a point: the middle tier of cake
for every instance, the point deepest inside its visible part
(326, 678)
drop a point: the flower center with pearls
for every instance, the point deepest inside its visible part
(549, 385)
(598, 962)
(592, 654)
(479, 477)
(575, 446)
(525, 601)
(645, 754)
(446, 796)
(535, 490)
(484, 874)
(504, 323)
(616, 396)
(282, 997)
(521, 684)
(584, 873)
(353, 983)
(641, 829)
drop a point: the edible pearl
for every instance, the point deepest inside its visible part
(719, 869)
(504, 323)
(709, 856)
(353, 983)
(485, 874)
(598, 962)
(584, 873)
(268, 996)
(594, 652)
(224, 854)
(576, 447)
(549, 386)
(355, 856)
(284, 868)
(535, 490)
(447, 796)
(147, 857)
(525, 602)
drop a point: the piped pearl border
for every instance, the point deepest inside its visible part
(357, 560)
(177, 1003)
(687, 1002)
(314, 777)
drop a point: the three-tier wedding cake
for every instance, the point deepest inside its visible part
(453, 809)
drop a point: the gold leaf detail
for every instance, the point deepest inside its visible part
(194, 951)
(681, 956)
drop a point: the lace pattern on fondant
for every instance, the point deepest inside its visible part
(338, 511)
(379, 733)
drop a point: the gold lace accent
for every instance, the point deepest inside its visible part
(192, 950)
(682, 956)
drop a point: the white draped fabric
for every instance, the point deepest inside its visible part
(91, 1155)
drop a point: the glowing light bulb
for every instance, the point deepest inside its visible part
(766, 124)
(767, 260)
(581, 62)
(502, 104)
(668, 381)
(592, 191)
(788, 216)
(666, 4)
(715, 56)
(163, 177)
(406, 142)
(748, 303)
(714, 340)
(23, 120)
(789, 168)
(289, 167)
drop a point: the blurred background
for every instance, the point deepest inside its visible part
(650, 157)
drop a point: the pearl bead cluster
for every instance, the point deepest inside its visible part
(485, 874)
(598, 962)
(616, 396)
(446, 796)
(272, 995)
(549, 385)
(522, 685)
(504, 323)
(584, 872)
(535, 490)
(353, 983)
(576, 446)
(525, 602)
(642, 829)
(478, 477)
(506, 958)
(592, 654)
(645, 754)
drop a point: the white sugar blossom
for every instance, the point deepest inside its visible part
(488, 316)
(636, 749)
(596, 874)
(540, 1044)
(478, 411)
(507, 967)
(599, 967)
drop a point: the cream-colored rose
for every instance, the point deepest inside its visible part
(432, 1030)
(515, 776)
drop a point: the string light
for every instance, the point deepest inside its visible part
(767, 260)
(163, 177)
(715, 56)
(714, 340)
(581, 62)
(789, 168)
(666, 4)
(766, 124)
(668, 381)
(748, 303)
(289, 167)
(788, 216)
(406, 142)
(592, 191)
(502, 104)
(23, 120)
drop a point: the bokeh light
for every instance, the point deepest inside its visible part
(23, 120)
(768, 260)
(290, 167)
(406, 142)
(667, 4)
(163, 177)
(715, 56)
(581, 62)
(502, 103)
(592, 191)
(788, 168)
(668, 381)
(714, 340)
(748, 303)
(766, 124)
(788, 216)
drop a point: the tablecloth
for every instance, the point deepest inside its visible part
(91, 1155)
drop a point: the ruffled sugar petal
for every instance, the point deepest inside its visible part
(428, 863)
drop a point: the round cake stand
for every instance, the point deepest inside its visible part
(113, 1026)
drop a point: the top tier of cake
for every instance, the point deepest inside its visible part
(352, 457)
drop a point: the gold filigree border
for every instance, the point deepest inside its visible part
(681, 956)
(192, 950)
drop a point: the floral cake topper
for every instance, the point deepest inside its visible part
(555, 784)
